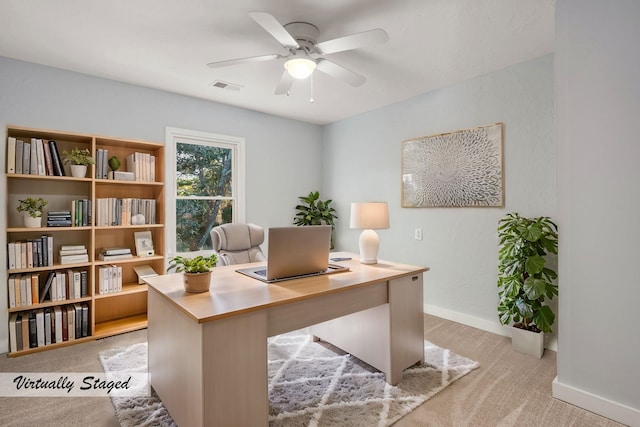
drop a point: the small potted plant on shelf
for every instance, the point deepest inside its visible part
(32, 210)
(525, 283)
(79, 159)
(197, 271)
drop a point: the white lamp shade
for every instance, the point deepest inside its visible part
(369, 215)
(300, 68)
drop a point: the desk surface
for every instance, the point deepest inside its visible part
(232, 293)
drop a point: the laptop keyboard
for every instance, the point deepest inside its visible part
(262, 272)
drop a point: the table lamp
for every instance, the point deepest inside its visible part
(369, 216)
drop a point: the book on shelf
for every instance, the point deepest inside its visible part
(56, 161)
(26, 158)
(121, 176)
(71, 322)
(121, 250)
(73, 252)
(48, 326)
(57, 314)
(47, 158)
(40, 328)
(19, 148)
(13, 339)
(103, 257)
(33, 330)
(71, 247)
(25, 330)
(73, 259)
(46, 290)
(33, 157)
(11, 155)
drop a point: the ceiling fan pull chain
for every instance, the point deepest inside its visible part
(311, 100)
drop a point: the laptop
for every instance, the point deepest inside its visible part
(295, 252)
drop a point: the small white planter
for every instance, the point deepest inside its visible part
(78, 171)
(527, 342)
(32, 222)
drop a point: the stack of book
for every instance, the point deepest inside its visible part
(113, 254)
(72, 254)
(59, 219)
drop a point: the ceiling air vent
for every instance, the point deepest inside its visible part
(226, 85)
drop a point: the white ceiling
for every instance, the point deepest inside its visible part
(166, 44)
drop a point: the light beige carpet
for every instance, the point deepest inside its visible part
(313, 384)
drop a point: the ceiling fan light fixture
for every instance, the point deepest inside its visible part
(300, 68)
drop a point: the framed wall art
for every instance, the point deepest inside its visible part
(456, 169)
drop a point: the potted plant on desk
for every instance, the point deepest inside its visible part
(79, 159)
(524, 280)
(197, 271)
(32, 210)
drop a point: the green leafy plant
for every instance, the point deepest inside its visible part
(198, 264)
(524, 281)
(314, 211)
(78, 156)
(33, 207)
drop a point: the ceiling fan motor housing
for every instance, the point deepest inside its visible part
(304, 33)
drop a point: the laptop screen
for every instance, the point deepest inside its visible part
(296, 251)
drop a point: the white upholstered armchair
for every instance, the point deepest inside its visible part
(238, 243)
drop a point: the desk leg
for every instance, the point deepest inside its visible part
(389, 337)
(235, 377)
(406, 323)
(210, 374)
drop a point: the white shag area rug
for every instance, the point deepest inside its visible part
(311, 384)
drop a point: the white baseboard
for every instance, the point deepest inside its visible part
(593, 403)
(494, 327)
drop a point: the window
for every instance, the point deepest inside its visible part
(205, 187)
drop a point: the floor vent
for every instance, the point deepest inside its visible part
(226, 85)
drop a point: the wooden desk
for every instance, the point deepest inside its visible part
(208, 352)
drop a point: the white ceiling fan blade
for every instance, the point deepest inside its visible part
(353, 41)
(229, 62)
(339, 72)
(285, 84)
(273, 27)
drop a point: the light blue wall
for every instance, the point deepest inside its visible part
(598, 117)
(283, 157)
(362, 161)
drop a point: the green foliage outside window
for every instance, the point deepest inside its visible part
(204, 191)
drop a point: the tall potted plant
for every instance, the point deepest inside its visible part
(314, 211)
(525, 283)
(197, 271)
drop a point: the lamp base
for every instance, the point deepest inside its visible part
(369, 243)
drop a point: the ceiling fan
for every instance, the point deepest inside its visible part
(304, 53)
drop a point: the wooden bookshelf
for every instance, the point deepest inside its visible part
(109, 313)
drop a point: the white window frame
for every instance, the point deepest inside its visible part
(172, 137)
